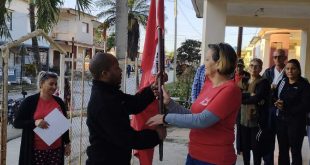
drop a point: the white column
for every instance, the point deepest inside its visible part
(62, 76)
(50, 57)
(266, 52)
(214, 22)
(93, 51)
(305, 53)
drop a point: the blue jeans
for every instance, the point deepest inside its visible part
(192, 161)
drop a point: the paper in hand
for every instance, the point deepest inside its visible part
(58, 125)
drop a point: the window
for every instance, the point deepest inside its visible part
(9, 21)
(85, 27)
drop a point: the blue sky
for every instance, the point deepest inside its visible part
(189, 26)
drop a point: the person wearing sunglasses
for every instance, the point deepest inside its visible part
(213, 114)
(274, 74)
(31, 113)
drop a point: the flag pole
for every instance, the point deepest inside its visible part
(161, 67)
(175, 40)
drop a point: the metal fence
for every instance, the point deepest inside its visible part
(75, 87)
(76, 93)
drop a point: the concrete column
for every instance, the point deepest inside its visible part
(305, 53)
(121, 36)
(265, 48)
(214, 22)
(50, 57)
(62, 76)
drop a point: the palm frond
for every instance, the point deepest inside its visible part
(83, 5)
(107, 13)
(47, 13)
(4, 30)
(141, 5)
(105, 3)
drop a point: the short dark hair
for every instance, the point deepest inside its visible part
(296, 63)
(226, 56)
(99, 63)
(259, 61)
(281, 52)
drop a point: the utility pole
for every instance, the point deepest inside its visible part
(175, 40)
(122, 36)
(240, 32)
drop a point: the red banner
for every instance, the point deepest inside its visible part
(155, 19)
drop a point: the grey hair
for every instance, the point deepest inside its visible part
(43, 76)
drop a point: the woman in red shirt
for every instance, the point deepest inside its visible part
(212, 116)
(31, 114)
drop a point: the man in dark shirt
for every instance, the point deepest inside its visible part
(274, 74)
(111, 136)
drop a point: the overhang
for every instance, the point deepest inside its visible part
(282, 9)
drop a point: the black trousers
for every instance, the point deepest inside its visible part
(248, 143)
(290, 137)
(268, 158)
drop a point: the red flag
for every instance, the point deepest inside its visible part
(155, 19)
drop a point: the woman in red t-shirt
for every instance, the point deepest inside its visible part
(212, 116)
(31, 114)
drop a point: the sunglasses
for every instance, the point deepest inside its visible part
(45, 75)
(218, 48)
(277, 57)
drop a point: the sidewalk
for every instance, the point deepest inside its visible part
(175, 150)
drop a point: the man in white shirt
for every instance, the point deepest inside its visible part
(274, 74)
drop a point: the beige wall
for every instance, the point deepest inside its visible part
(70, 25)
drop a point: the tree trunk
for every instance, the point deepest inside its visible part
(35, 45)
(133, 39)
(121, 36)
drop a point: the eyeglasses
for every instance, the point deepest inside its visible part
(277, 57)
(254, 66)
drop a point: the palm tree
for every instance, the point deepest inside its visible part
(47, 15)
(137, 15)
(4, 31)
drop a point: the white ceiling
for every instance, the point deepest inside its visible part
(271, 8)
(289, 10)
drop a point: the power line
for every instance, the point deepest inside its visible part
(187, 6)
(189, 22)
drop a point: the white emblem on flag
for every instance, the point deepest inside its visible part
(155, 62)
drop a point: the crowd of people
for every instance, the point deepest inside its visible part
(262, 107)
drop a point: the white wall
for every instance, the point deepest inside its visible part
(20, 21)
(70, 26)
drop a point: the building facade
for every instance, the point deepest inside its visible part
(76, 34)
(19, 25)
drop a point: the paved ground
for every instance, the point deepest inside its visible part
(175, 150)
(175, 146)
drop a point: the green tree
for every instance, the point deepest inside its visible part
(137, 15)
(111, 41)
(190, 51)
(170, 55)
